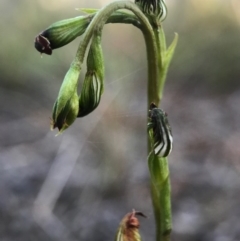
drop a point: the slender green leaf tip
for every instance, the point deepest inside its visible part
(170, 51)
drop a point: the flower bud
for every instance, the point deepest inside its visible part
(42, 44)
(66, 107)
(93, 84)
(95, 61)
(90, 94)
(154, 8)
(61, 33)
(129, 227)
(67, 115)
(162, 133)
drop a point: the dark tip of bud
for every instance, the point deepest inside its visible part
(42, 45)
(132, 221)
(152, 106)
(140, 214)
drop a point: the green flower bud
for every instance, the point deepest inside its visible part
(161, 130)
(95, 61)
(61, 33)
(67, 115)
(90, 95)
(129, 227)
(156, 9)
(93, 84)
(65, 109)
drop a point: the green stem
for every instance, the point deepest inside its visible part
(160, 193)
(161, 46)
(159, 170)
(101, 18)
(120, 17)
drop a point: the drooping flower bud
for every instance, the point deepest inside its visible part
(90, 94)
(162, 133)
(93, 84)
(95, 60)
(66, 107)
(154, 8)
(129, 227)
(61, 33)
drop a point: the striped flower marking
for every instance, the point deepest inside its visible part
(153, 7)
(162, 133)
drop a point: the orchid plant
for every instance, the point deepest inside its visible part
(147, 16)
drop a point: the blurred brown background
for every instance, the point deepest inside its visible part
(79, 185)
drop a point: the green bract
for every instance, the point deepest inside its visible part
(95, 60)
(90, 94)
(93, 84)
(65, 109)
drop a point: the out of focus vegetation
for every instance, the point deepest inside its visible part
(77, 186)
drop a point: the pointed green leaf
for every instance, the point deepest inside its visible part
(166, 60)
(162, 40)
(87, 10)
(170, 52)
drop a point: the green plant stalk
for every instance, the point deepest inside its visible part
(161, 196)
(116, 17)
(161, 46)
(160, 189)
(100, 19)
(161, 192)
(158, 167)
